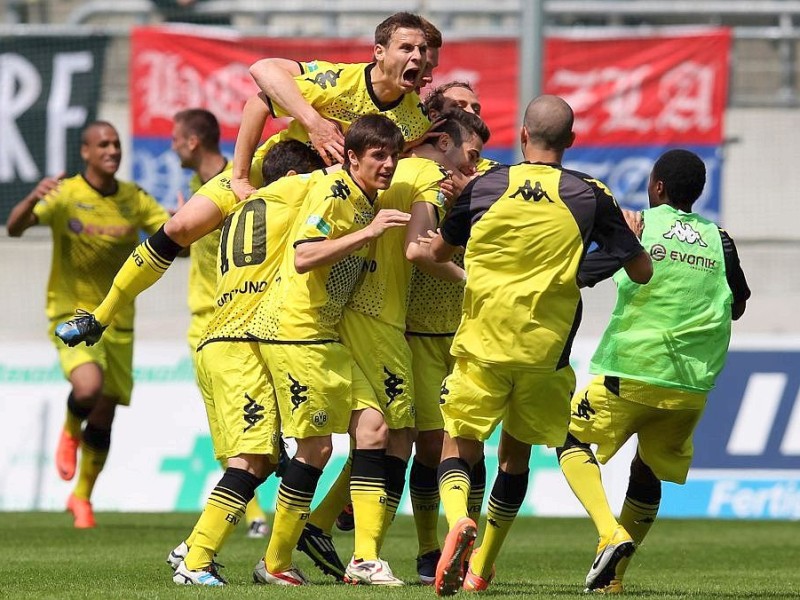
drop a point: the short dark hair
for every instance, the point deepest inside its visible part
(203, 124)
(400, 20)
(372, 131)
(433, 36)
(436, 100)
(289, 155)
(92, 125)
(683, 174)
(459, 125)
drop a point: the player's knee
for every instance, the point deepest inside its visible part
(570, 442)
(315, 451)
(369, 430)
(643, 484)
(429, 447)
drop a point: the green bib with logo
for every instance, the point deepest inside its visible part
(673, 331)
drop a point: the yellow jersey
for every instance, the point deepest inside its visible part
(306, 308)
(526, 229)
(93, 235)
(203, 263)
(252, 243)
(383, 292)
(342, 92)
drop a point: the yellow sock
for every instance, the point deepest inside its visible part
(73, 424)
(223, 511)
(583, 475)
(142, 269)
(424, 491)
(253, 512)
(368, 494)
(454, 489)
(291, 514)
(325, 513)
(91, 464)
(507, 496)
(637, 518)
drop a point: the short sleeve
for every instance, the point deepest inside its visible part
(611, 232)
(153, 215)
(323, 216)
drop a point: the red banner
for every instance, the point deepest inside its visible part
(642, 90)
(174, 69)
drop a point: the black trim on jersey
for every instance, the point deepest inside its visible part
(302, 69)
(116, 187)
(563, 360)
(733, 270)
(221, 339)
(368, 82)
(306, 240)
(270, 106)
(255, 338)
(436, 335)
(476, 199)
(220, 172)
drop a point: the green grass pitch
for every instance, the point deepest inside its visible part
(41, 556)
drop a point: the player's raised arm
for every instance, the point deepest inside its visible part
(254, 117)
(275, 77)
(22, 216)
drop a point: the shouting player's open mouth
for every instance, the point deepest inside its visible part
(411, 76)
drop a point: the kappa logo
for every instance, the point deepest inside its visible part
(685, 233)
(296, 390)
(252, 413)
(340, 190)
(535, 193)
(392, 385)
(326, 78)
(584, 409)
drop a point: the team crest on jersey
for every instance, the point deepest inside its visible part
(325, 79)
(533, 193)
(685, 233)
(224, 183)
(340, 190)
(320, 223)
(319, 418)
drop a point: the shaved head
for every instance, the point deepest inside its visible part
(548, 121)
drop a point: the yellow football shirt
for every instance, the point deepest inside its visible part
(383, 292)
(203, 263)
(526, 229)
(307, 307)
(252, 243)
(342, 92)
(93, 235)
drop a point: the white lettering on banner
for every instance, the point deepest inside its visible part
(684, 94)
(760, 403)
(169, 85)
(20, 86)
(790, 445)
(60, 115)
(779, 500)
(688, 94)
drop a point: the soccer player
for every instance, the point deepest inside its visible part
(526, 228)
(658, 358)
(374, 319)
(195, 139)
(95, 220)
(312, 372)
(237, 388)
(325, 98)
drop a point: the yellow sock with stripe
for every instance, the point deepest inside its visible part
(223, 511)
(583, 475)
(424, 490)
(637, 518)
(477, 488)
(146, 264)
(368, 494)
(325, 513)
(506, 498)
(291, 513)
(396, 469)
(76, 415)
(94, 451)
(453, 474)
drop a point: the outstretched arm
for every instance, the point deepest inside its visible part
(22, 216)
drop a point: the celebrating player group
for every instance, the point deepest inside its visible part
(366, 271)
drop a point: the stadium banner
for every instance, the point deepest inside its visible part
(634, 96)
(49, 89)
(746, 446)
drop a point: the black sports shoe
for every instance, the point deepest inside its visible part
(83, 327)
(345, 520)
(318, 546)
(426, 566)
